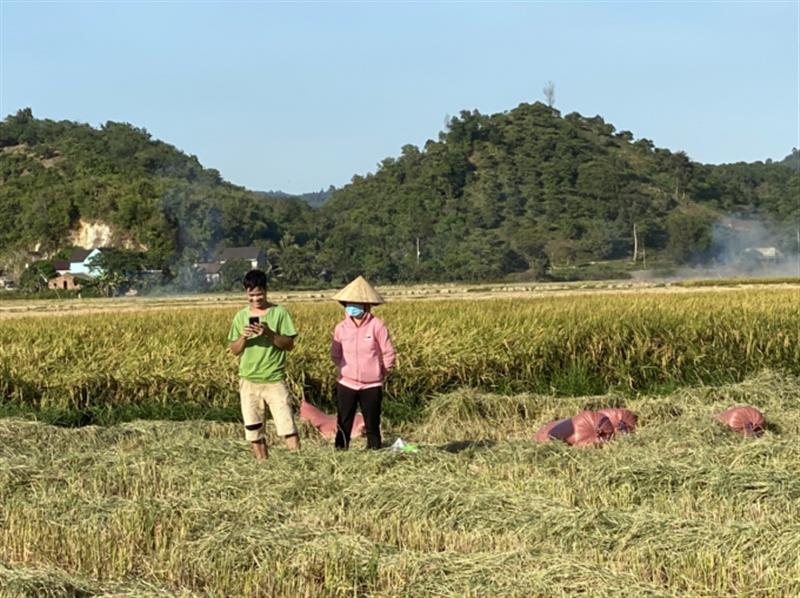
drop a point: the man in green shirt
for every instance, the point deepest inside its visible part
(261, 335)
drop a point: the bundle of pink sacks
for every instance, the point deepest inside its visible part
(593, 428)
(326, 424)
(588, 428)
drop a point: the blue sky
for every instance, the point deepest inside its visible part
(297, 96)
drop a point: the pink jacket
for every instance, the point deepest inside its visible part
(363, 354)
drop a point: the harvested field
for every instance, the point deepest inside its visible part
(682, 507)
(142, 506)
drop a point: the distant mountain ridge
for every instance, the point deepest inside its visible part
(316, 199)
(528, 188)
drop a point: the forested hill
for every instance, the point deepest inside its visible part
(509, 191)
(54, 174)
(493, 195)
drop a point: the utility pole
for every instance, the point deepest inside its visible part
(635, 244)
(644, 256)
(417, 251)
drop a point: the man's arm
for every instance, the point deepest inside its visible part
(240, 343)
(283, 322)
(237, 346)
(285, 343)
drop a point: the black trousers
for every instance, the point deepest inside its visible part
(369, 399)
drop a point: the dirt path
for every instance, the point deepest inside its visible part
(12, 309)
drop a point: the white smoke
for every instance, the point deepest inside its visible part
(747, 248)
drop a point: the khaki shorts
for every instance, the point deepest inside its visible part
(254, 397)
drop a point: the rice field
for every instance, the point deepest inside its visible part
(172, 363)
(142, 506)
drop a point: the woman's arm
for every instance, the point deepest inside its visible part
(336, 348)
(388, 353)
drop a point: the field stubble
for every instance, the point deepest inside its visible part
(154, 508)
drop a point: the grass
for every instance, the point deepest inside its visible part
(153, 508)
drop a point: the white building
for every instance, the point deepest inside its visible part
(80, 259)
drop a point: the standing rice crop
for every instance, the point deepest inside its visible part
(174, 363)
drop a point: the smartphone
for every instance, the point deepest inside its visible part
(254, 321)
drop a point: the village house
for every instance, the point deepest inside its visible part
(68, 281)
(6, 282)
(80, 259)
(61, 266)
(254, 255)
(764, 253)
(211, 270)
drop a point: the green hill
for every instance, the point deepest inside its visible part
(494, 195)
(55, 174)
(509, 191)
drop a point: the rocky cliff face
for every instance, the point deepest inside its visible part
(90, 235)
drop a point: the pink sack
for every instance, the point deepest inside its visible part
(590, 429)
(358, 428)
(585, 429)
(623, 420)
(559, 429)
(326, 424)
(747, 421)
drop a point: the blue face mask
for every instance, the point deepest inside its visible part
(354, 311)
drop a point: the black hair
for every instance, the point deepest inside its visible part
(255, 279)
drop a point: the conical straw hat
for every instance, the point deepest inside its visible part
(359, 291)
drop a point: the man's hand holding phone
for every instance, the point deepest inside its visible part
(256, 328)
(253, 328)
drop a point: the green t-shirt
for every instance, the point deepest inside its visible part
(261, 361)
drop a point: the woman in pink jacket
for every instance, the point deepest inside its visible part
(363, 354)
